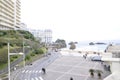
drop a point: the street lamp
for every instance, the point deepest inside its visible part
(9, 59)
(23, 54)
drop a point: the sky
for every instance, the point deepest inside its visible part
(74, 20)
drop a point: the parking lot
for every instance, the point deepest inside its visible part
(76, 67)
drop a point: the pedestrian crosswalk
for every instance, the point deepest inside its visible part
(31, 71)
(36, 78)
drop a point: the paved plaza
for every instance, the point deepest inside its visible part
(77, 67)
(61, 66)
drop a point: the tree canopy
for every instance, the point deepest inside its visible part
(60, 43)
(72, 45)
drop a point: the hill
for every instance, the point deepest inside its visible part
(16, 38)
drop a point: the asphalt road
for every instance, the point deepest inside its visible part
(61, 68)
(33, 72)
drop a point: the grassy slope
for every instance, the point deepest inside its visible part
(16, 41)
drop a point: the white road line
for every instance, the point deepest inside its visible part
(36, 71)
(23, 71)
(30, 71)
(36, 78)
(40, 78)
(26, 71)
(40, 71)
(32, 79)
(68, 72)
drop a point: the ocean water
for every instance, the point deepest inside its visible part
(84, 45)
(87, 47)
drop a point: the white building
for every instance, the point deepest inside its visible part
(23, 27)
(42, 35)
(113, 59)
(10, 14)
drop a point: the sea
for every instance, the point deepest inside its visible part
(84, 45)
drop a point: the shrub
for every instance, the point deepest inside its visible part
(11, 59)
(39, 51)
(27, 57)
(32, 54)
(2, 33)
(15, 56)
(92, 72)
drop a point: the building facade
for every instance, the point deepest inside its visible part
(112, 58)
(23, 26)
(42, 35)
(10, 12)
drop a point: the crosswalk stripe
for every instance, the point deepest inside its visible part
(23, 71)
(40, 78)
(36, 78)
(40, 71)
(26, 71)
(31, 71)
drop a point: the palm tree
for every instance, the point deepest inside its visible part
(92, 72)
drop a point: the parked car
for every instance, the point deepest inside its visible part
(96, 58)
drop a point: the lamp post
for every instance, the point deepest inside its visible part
(23, 54)
(9, 59)
(8, 63)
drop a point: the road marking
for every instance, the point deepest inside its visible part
(23, 71)
(36, 78)
(40, 78)
(40, 71)
(36, 71)
(26, 71)
(68, 72)
(30, 71)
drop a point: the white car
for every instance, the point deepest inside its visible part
(96, 58)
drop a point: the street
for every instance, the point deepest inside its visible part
(61, 68)
(34, 70)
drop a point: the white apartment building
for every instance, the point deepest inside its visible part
(23, 26)
(112, 58)
(10, 14)
(43, 35)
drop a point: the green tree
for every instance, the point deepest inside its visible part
(72, 45)
(60, 43)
